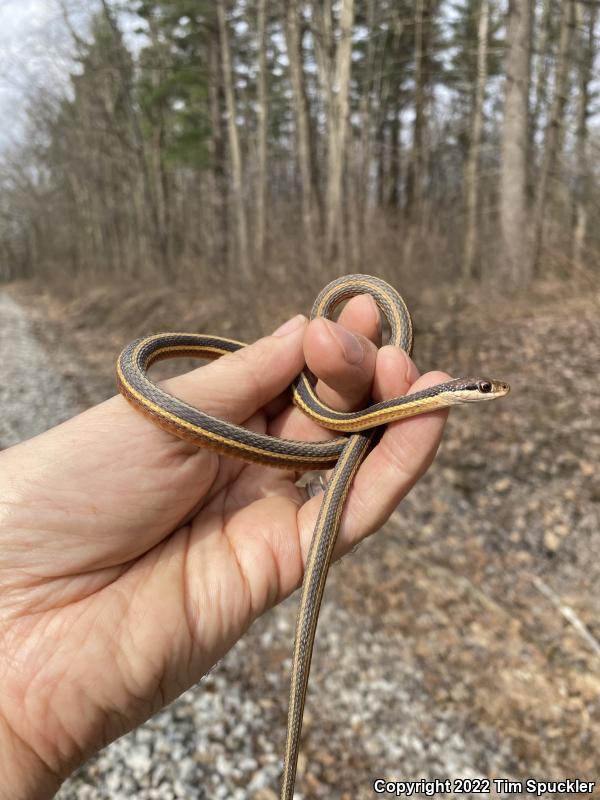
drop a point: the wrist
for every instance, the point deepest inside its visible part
(23, 775)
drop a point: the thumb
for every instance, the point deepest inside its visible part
(235, 386)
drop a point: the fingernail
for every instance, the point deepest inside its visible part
(352, 348)
(291, 325)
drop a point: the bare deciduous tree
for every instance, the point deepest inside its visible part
(263, 106)
(472, 168)
(554, 127)
(586, 25)
(301, 116)
(237, 181)
(335, 61)
(515, 266)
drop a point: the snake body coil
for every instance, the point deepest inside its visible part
(345, 452)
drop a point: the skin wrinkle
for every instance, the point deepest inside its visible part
(275, 594)
(69, 748)
(164, 673)
(244, 579)
(50, 583)
(228, 520)
(80, 535)
(190, 610)
(255, 607)
(13, 637)
(133, 653)
(14, 735)
(22, 656)
(211, 481)
(279, 594)
(91, 626)
(44, 720)
(257, 535)
(206, 601)
(185, 452)
(147, 701)
(190, 618)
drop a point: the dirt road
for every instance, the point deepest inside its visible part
(36, 391)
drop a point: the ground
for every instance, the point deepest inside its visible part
(462, 640)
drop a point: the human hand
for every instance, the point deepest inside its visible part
(130, 561)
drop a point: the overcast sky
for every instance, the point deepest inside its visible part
(35, 53)
(34, 56)
(25, 30)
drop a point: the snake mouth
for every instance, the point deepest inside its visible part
(500, 388)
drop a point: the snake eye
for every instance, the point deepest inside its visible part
(485, 387)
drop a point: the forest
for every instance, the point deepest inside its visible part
(242, 140)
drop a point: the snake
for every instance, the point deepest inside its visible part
(359, 432)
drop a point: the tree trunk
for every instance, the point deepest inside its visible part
(393, 198)
(303, 146)
(380, 163)
(472, 167)
(553, 136)
(516, 266)
(415, 176)
(261, 195)
(220, 212)
(337, 131)
(235, 150)
(158, 144)
(581, 195)
(366, 103)
(540, 81)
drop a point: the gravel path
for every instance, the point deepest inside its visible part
(34, 394)
(460, 641)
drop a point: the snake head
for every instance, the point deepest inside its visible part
(473, 390)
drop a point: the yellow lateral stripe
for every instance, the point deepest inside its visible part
(231, 443)
(328, 422)
(198, 349)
